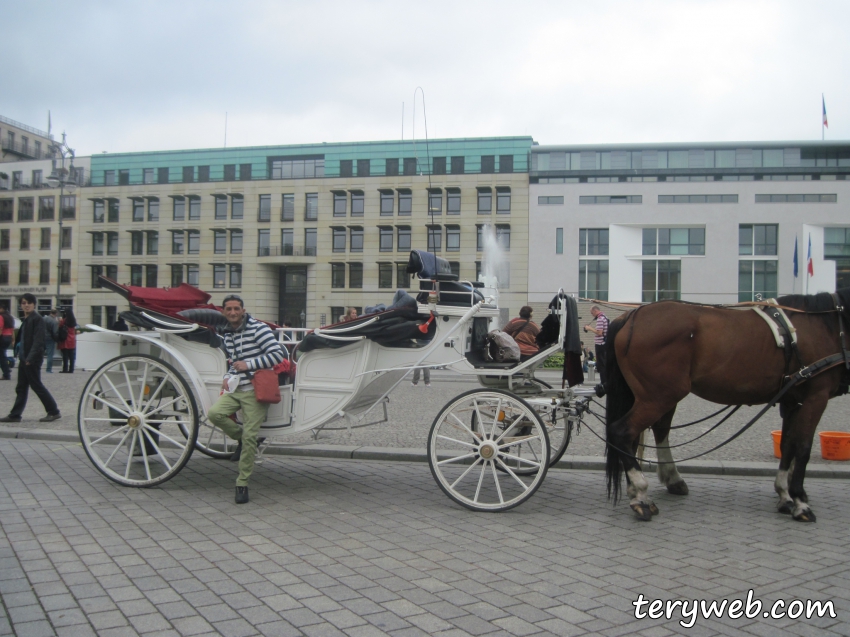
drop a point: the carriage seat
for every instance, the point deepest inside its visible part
(477, 360)
(397, 328)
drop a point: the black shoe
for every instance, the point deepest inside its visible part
(10, 419)
(50, 417)
(241, 495)
(238, 453)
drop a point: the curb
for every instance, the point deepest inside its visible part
(731, 468)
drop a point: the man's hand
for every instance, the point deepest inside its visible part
(240, 366)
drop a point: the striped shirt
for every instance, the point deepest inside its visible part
(601, 324)
(255, 344)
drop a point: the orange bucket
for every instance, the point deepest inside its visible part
(777, 440)
(835, 445)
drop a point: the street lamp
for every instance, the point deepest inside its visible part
(303, 318)
(64, 178)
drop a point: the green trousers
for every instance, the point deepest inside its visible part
(253, 415)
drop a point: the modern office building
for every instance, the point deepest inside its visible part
(302, 232)
(706, 222)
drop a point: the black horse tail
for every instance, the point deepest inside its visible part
(620, 401)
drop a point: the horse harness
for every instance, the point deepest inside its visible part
(782, 329)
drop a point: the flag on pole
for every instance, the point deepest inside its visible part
(823, 101)
(810, 268)
(796, 269)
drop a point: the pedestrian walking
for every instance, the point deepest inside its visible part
(68, 341)
(251, 346)
(31, 338)
(51, 325)
(601, 335)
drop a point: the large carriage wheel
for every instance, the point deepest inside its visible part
(474, 465)
(213, 442)
(138, 420)
(559, 428)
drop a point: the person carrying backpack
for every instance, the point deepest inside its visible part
(67, 338)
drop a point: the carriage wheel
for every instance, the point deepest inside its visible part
(474, 465)
(138, 420)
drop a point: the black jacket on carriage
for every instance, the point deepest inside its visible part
(254, 343)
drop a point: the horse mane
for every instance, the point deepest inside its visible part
(820, 302)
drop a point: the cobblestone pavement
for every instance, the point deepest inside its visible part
(413, 409)
(337, 547)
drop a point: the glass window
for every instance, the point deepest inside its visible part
(188, 174)
(112, 206)
(503, 200)
(6, 209)
(109, 177)
(409, 166)
(236, 272)
(452, 238)
(403, 238)
(435, 239)
(310, 239)
(559, 241)
(458, 167)
(138, 209)
(147, 177)
(112, 243)
(97, 244)
(264, 242)
(287, 241)
(176, 275)
(364, 168)
(153, 243)
(25, 209)
(385, 275)
(405, 202)
(137, 240)
(311, 211)
(387, 202)
(402, 275)
(488, 164)
(99, 213)
(221, 207)
(230, 172)
(455, 267)
(44, 272)
(593, 241)
(220, 241)
(340, 204)
(593, 278)
(287, 212)
(676, 241)
(355, 275)
(485, 201)
(5, 239)
(235, 242)
(96, 271)
(4, 272)
(219, 275)
(506, 163)
(25, 239)
(151, 276)
(550, 201)
(356, 240)
(265, 212)
(836, 243)
(435, 202)
(661, 280)
(237, 206)
(297, 168)
(45, 208)
(358, 204)
(194, 242)
(479, 238)
(123, 178)
(345, 168)
(757, 277)
(337, 275)
(385, 239)
(193, 274)
(66, 237)
(338, 239)
(179, 208)
(245, 172)
(69, 207)
(162, 175)
(452, 201)
(503, 237)
(136, 275)
(194, 208)
(23, 272)
(203, 173)
(177, 242)
(392, 167)
(111, 272)
(757, 239)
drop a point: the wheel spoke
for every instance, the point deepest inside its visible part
(496, 418)
(143, 383)
(130, 454)
(160, 407)
(144, 455)
(117, 447)
(464, 474)
(480, 480)
(480, 417)
(513, 475)
(158, 450)
(129, 385)
(180, 445)
(456, 459)
(532, 463)
(120, 397)
(154, 395)
(111, 433)
(460, 442)
(496, 480)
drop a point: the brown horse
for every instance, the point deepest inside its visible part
(659, 353)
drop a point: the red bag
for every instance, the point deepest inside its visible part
(266, 387)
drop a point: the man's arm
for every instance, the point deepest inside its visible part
(37, 348)
(272, 351)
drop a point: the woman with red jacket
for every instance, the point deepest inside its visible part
(68, 347)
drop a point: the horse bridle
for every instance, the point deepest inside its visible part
(840, 309)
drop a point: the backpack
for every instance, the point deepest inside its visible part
(62, 334)
(500, 347)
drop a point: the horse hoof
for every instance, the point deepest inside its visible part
(806, 516)
(786, 508)
(653, 509)
(678, 488)
(642, 511)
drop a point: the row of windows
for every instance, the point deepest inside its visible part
(354, 273)
(46, 208)
(312, 166)
(45, 236)
(683, 178)
(24, 276)
(682, 199)
(435, 238)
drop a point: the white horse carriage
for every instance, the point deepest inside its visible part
(143, 413)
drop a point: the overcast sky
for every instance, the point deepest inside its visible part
(154, 75)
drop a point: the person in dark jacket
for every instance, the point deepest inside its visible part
(32, 336)
(68, 347)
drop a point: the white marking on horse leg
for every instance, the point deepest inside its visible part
(781, 485)
(667, 472)
(802, 510)
(638, 487)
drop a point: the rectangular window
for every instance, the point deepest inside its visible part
(264, 243)
(99, 215)
(194, 208)
(46, 208)
(358, 204)
(237, 206)
(506, 163)
(193, 274)
(402, 276)
(435, 202)
(613, 199)
(458, 167)
(662, 280)
(364, 167)
(356, 244)
(287, 210)
(338, 239)
(123, 178)
(392, 167)
(220, 241)
(593, 241)
(151, 276)
(836, 243)
(758, 239)
(340, 204)
(488, 164)
(385, 241)
(112, 207)
(310, 241)
(244, 173)
(593, 278)
(147, 177)
(111, 272)
(757, 277)
(697, 199)
(229, 173)
(96, 272)
(452, 201)
(455, 267)
(550, 201)
(4, 273)
(311, 210)
(479, 238)
(162, 175)
(36, 178)
(435, 239)
(219, 275)
(345, 168)
(410, 165)
(503, 237)
(136, 275)
(405, 203)
(109, 177)
(137, 240)
(452, 238)
(5, 239)
(25, 209)
(439, 165)
(6, 209)
(673, 241)
(287, 241)
(203, 173)
(25, 239)
(44, 272)
(235, 242)
(337, 275)
(188, 178)
(178, 242)
(153, 243)
(355, 275)
(313, 166)
(503, 200)
(236, 272)
(68, 207)
(265, 212)
(138, 209)
(559, 241)
(403, 238)
(194, 242)
(385, 275)
(23, 272)
(179, 208)
(220, 207)
(153, 209)
(810, 198)
(176, 275)
(66, 238)
(485, 201)
(112, 244)
(387, 202)
(97, 244)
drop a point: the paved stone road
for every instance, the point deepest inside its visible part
(334, 547)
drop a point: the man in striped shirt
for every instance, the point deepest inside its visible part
(600, 335)
(250, 346)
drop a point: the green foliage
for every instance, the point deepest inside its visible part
(556, 361)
